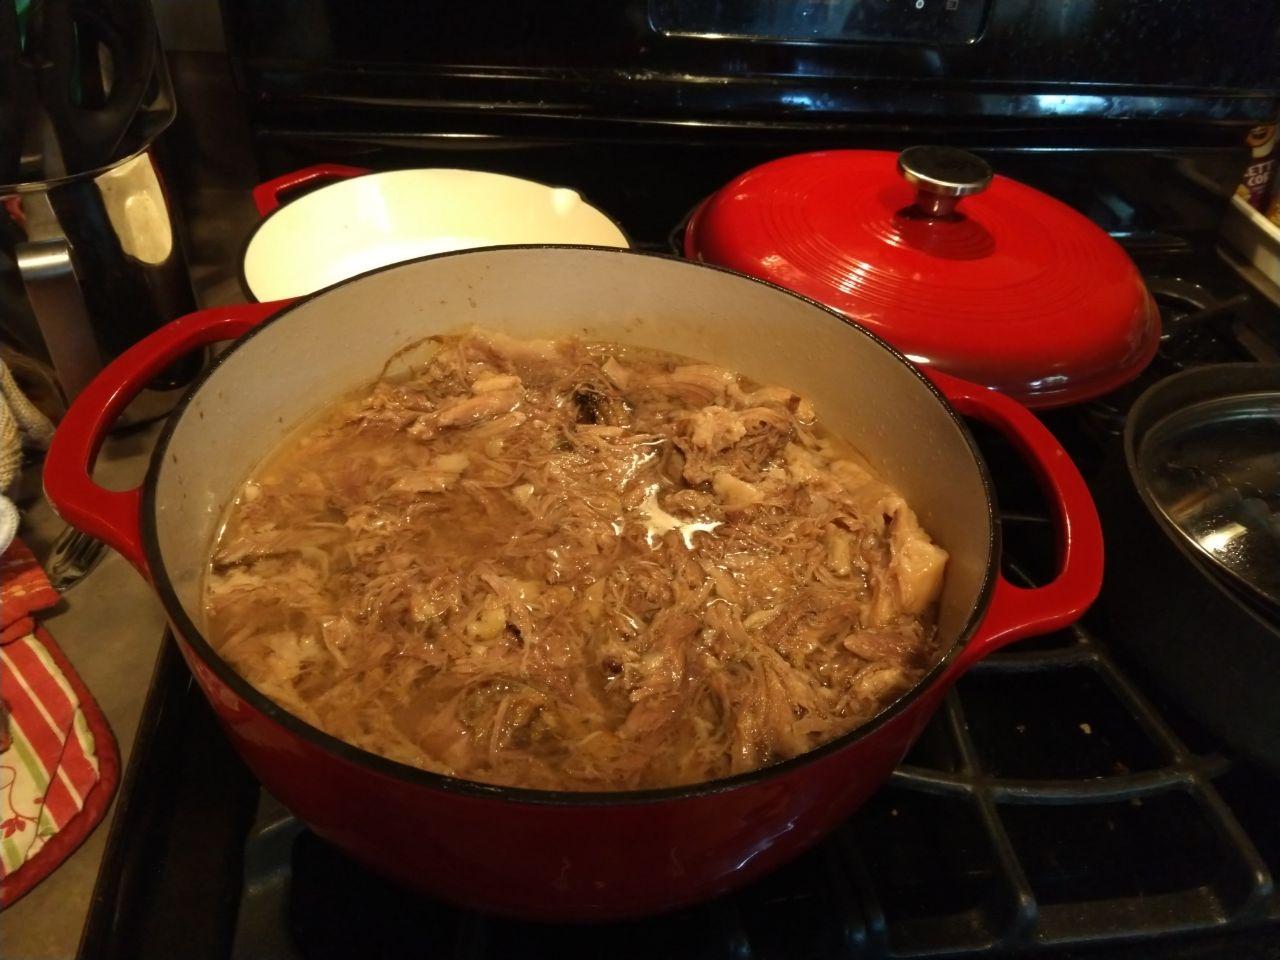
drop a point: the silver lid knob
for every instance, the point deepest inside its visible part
(942, 175)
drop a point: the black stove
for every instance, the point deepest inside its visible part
(1058, 805)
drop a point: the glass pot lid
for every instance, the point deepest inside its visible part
(1213, 471)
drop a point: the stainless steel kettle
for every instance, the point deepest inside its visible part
(91, 260)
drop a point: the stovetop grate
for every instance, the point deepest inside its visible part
(1147, 847)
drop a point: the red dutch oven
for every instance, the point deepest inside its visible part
(963, 271)
(541, 854)
(354, 220)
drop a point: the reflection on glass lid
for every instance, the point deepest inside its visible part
(1213, 470)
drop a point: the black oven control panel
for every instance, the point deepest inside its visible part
(822, 21)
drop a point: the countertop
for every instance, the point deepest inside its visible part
(110, 624)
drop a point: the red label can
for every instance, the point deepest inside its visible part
(1255, 187)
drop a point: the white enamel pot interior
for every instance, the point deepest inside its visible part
(340, 339)
(356, 225)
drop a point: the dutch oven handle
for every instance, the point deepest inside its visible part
(266, 196)
(1017, 612)
(112, 516)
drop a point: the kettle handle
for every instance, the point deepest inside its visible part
(113, 516)
(47, 266)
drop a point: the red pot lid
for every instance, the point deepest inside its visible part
(980, 276)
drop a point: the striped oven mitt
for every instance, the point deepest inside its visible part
(58, 760)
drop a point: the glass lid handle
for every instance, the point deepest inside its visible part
(941, 176)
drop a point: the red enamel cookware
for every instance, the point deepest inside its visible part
(354, 220)
(965, 272)
(538, 853)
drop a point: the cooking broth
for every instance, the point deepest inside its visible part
(574, 566)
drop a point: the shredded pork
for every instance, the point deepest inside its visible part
(562, 565)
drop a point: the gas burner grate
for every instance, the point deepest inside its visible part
(1121, 834)
(1199, 325)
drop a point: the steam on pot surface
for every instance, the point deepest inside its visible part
(574, 566)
